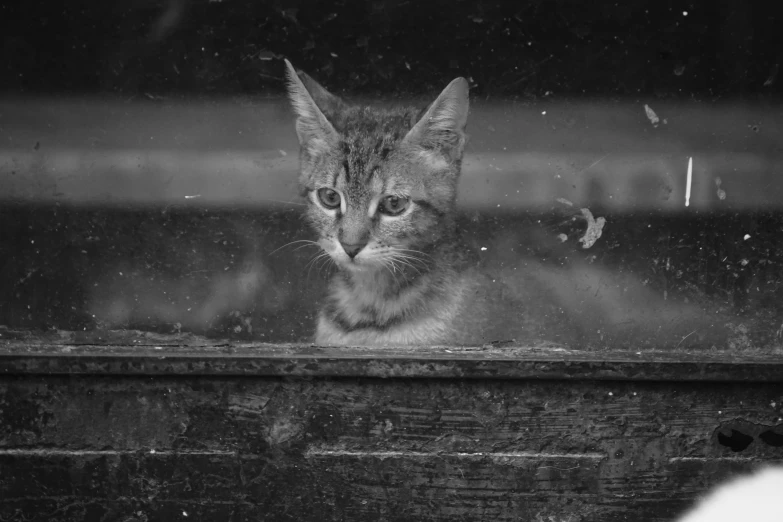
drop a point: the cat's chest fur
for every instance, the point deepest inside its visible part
(432, 310)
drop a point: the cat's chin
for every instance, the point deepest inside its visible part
(360, 267)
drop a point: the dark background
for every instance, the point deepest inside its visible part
(530, 49)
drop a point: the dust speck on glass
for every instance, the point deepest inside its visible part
(602, 176)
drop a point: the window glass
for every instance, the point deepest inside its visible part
(619, 185)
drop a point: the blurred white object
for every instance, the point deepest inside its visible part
(757, 498)
(651, 115)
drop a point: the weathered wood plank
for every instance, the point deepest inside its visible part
(433, 415)
(134, 353)
(374, 449)
(361, 487)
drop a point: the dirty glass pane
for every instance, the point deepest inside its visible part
(620, 185)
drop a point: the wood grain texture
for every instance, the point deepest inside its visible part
(113, 447)
(142, 353)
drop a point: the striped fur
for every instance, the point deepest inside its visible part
(407, 284)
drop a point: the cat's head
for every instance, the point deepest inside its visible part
(380, 183)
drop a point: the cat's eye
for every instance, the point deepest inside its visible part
(329, 198)
(393, 205)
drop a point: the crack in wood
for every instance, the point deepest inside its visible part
(44, 452)
(314, 453)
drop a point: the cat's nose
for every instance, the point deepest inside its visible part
(352, 248)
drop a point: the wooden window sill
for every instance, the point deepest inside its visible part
(139, 353)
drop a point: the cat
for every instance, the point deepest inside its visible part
(381, 186)
(756, 497)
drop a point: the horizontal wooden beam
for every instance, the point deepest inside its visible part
(201, 447)
(137, 353)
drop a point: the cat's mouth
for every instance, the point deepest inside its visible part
(364, 263)
(358, 263)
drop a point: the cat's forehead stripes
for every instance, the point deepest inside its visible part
(373, 133)
(361, 181)
(368, 138)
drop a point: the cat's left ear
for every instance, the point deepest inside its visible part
(316, 134)
(443, 125)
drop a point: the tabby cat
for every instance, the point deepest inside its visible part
(381, 186)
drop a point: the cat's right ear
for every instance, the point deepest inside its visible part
(316, 134)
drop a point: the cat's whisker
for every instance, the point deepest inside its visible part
(394, 256)
(411, 260)
(325, 265)
(424, 262)
(392, 271)
(314, 261)
(410, 251)
(385, 265)
(326, 262)
(404, 263)
(315, 258)
(309, 267)
(417, 254)
(307, 241)
(393, 264)
(414, 268)
(312, 243)
(407, 263)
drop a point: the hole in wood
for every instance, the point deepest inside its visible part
(772, 438)
(737, 441)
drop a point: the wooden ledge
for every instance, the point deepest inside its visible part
(143, 353)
